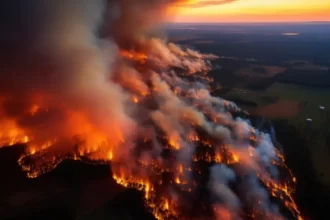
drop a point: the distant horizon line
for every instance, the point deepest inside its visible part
(249, 22)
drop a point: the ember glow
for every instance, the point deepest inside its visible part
(142, 105)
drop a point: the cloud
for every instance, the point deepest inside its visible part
(203, 3)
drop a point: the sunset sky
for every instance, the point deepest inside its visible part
(251, 11)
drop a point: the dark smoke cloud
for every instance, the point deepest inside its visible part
(37, 33)
(62, 53)
(127, 20)
(53, 56)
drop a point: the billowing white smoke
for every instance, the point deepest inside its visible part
(220, 178)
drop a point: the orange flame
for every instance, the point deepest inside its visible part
(133, 55)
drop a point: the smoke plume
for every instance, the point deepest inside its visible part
(89, 80)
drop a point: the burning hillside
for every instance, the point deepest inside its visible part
(142, 105)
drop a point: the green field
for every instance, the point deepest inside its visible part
(313, 98)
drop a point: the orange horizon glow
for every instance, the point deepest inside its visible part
(253, 11)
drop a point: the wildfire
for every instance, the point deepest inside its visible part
(149, 113)
(285, 193)
(34, 109)
(174, 142)
(135, 56)
(135, 99)
(11, 133)
(161, 210)
(110, 155)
